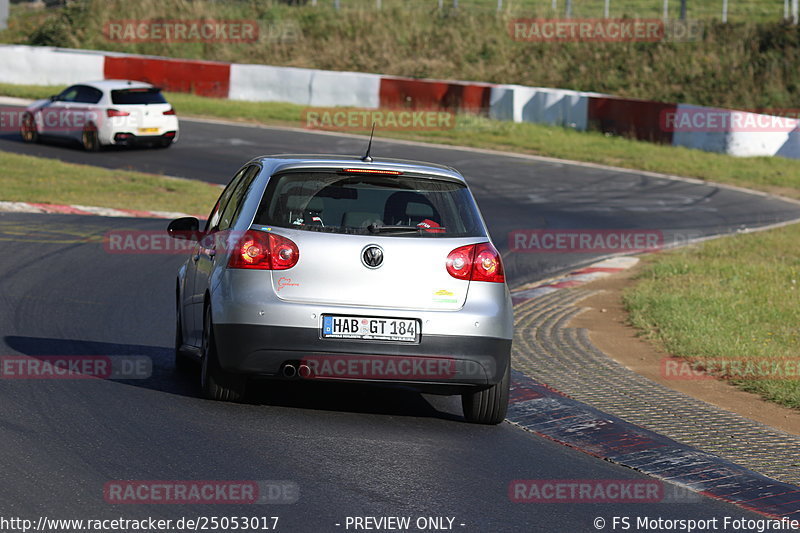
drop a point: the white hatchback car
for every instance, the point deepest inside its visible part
(101, 113)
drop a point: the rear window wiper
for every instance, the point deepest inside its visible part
(376, 228)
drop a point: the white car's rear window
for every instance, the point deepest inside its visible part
(137, 96)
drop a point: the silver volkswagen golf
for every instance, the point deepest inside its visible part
(346, 269)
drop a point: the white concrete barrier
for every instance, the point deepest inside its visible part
(264, 83)
(37, 65)
(353, 89)
(737, 133)
(540, 105)
(502, 105)
(791, 147)
(319, 88)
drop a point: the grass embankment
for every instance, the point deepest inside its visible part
(728, 300)
(32, 179)
(749, 63)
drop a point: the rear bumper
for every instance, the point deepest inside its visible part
(130, 139)
(437, 362)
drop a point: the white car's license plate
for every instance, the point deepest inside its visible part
(148, 130)
(370, 328)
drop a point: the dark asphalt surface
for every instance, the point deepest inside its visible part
(352, 451)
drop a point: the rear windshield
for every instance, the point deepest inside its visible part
(394, 205)
(137, 96)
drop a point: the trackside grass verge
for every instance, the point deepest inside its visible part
(730, 299)
(33, 179)
(769, 174)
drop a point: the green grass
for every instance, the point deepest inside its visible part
(730, 298)
(274, 113)
(33, 92)
(749, 63)
(32, 179)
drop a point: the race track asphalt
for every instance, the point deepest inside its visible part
(352, 451)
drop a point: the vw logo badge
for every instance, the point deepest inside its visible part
(372, 256)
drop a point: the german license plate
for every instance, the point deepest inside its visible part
(148, 130)
(370, 328)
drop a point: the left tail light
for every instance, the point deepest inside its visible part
(116, 113)
(169, 111)
(263, 251)
(476, 262)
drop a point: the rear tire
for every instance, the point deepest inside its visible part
(488, 406)
(215, 382)
(28, 129)
(89, 139)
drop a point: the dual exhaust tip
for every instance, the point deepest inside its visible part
(291, 370)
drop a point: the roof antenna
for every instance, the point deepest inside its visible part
(367, 158)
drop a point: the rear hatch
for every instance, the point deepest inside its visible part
(332, 270)
(371, 240)
(148, 113)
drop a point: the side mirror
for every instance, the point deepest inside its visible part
(54, 98)
(186, 228)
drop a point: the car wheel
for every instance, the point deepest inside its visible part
(215, 382)
(28, 129)
(89, 139)
(182, 362)
(488, 406)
